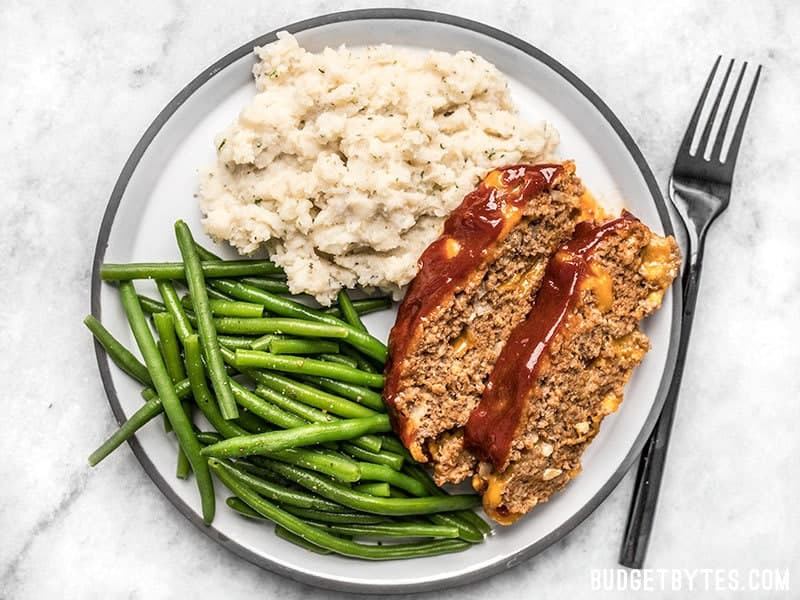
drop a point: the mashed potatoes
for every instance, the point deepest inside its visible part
(345, 163)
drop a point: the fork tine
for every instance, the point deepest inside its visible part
(733, 151)
(716, 151)
(686, 144)
(703, 143)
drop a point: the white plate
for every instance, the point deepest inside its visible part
(156, 187)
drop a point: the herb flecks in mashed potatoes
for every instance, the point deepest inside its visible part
(346, 162)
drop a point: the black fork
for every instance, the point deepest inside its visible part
(700, 190)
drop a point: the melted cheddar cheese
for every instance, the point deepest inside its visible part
(656, 264)
(600, 283)
(493, 487)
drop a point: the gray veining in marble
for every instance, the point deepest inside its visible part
(79, 83)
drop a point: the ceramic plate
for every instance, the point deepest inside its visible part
(156, 187)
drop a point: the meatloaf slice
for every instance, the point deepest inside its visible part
(475, 283)
(564, 367)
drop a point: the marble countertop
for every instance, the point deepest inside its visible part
(79, 85)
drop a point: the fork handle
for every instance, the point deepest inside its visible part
(654, 454)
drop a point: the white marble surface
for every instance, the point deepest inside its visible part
(79, 84)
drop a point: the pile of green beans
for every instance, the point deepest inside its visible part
(281, 402)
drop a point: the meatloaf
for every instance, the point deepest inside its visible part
(519, 333)
(475, 284)
(564, 367)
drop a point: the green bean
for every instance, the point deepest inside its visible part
(293, 396)
(309, 513)
(149, 393)
(202, 395)
(297, 327)
(349, 518)
(175, 270)
(279, 346)
(309, 413)
(244, 510)
(274, 286)
(257, 281)
(329, 463)
(165, 419)
(468, 529)
(307, 394)
(121, 356)
(284, 307)
(373, 472)
(182, 390)
(291, 405)
(392, 444)
(273, 303)
(167, 424)
(229, 356)
(348, 311)
(339, 359)
(208, 437)
(170, 297)
(315, 460)
(361, 362)
(192, 318)
(320, 537)
(306, 366)
(215, 295)
(251, 422)
(389, 459)
(257, 415)
(264, 341)
(265, 410)
(228, 308)
(169, 399)
(466, 532)
(146, 413)
(368, 305)
(320, 460)
(362, 307)
(466, 516)
(168, 345)
(475, 520)
(271, 490)
(421, 475)
(245, 396)
(379, 489)
(233, 342)
(151, 306)
(357, 393)
(299, 436)
(205, 254)
(382, 506)
(205, 324)
(251, 465)
(297, 540)
(396, 530)
(235, 308)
